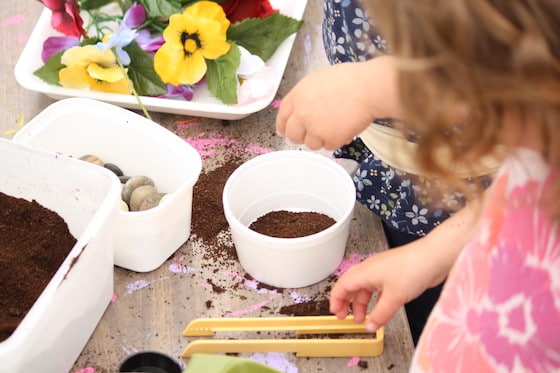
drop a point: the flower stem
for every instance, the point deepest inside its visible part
(131, 87)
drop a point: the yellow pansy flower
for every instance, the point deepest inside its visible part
(194, 36)
(88, 66)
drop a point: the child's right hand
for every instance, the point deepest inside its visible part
(330, 106)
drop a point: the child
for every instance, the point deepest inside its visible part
(390, 187)
(494, 67)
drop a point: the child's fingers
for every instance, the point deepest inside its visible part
(284, 113)
(382, 312)
(339, 307)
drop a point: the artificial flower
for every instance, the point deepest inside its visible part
(238, 10)
(194, 36)
(54, 44)
(182, 91)
(88, 66)
(119, 40)
(66, 17)
(257, 85)
(133, 17)
(147, 42)
(165, 48)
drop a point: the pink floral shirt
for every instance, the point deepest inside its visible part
(500, 307)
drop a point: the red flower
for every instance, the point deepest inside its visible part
(238, 10)
(66, 17)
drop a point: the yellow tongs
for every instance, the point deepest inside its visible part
(333, 347)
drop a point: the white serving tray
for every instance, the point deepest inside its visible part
(203, 103)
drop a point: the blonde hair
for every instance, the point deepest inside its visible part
(491, 56)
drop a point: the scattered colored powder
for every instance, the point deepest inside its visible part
(179, 268)
(86, 370)
(300, 298)
(258, 149)
(207, 142)
(275, 360)
(253, 307)
(276, 104)
(12, 21)
(114, 298)
(353, 258)
(308, 47)
(137, 285)
(353, 362)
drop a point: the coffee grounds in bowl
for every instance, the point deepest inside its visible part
(34, 241)
(289, 224)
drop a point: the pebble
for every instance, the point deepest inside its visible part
(133, 183)
(138, 192)
(114, 168)
(124, 206)
(151, 201)
(141, 193)
(92, 159)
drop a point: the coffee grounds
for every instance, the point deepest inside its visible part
(318, 307)
(289, 224)
(208, 218)
(210, 226)
(34, 241)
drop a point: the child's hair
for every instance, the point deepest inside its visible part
(495, 57)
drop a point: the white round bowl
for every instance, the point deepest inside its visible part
(295, 181)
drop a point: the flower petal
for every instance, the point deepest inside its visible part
(75, 76)
(120, 86)
(86, 54)
(108, 74)
(54, 44)
(134, 16)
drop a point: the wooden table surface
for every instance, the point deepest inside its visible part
(150, 310)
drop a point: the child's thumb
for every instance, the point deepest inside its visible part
(381, 313)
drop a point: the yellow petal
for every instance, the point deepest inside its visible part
(166, 60)
(192, 70)
(73, 77)
(208, 10)
(86, 54)
(175, 68)
(120, 86)
(109, 74)
(172, 33)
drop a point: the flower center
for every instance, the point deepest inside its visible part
(191, 43)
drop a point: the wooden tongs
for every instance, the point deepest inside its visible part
(333, 347)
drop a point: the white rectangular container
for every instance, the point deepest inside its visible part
(57, 327)
(79, 126)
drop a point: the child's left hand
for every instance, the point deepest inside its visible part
(397, 275)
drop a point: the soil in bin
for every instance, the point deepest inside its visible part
(34, 241)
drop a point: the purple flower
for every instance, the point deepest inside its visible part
(182, 91)
(147, 43)
(134, 17)
(54, 44)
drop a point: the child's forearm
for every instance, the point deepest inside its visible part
(378, 77)
(445, 242)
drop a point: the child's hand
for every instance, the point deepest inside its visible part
(330, 106)
(397, 275)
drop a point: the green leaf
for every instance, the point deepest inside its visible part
(161, 8)
(93, 4)
(221, 75)
(49, 71)
(262, 36)
(141, 72)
